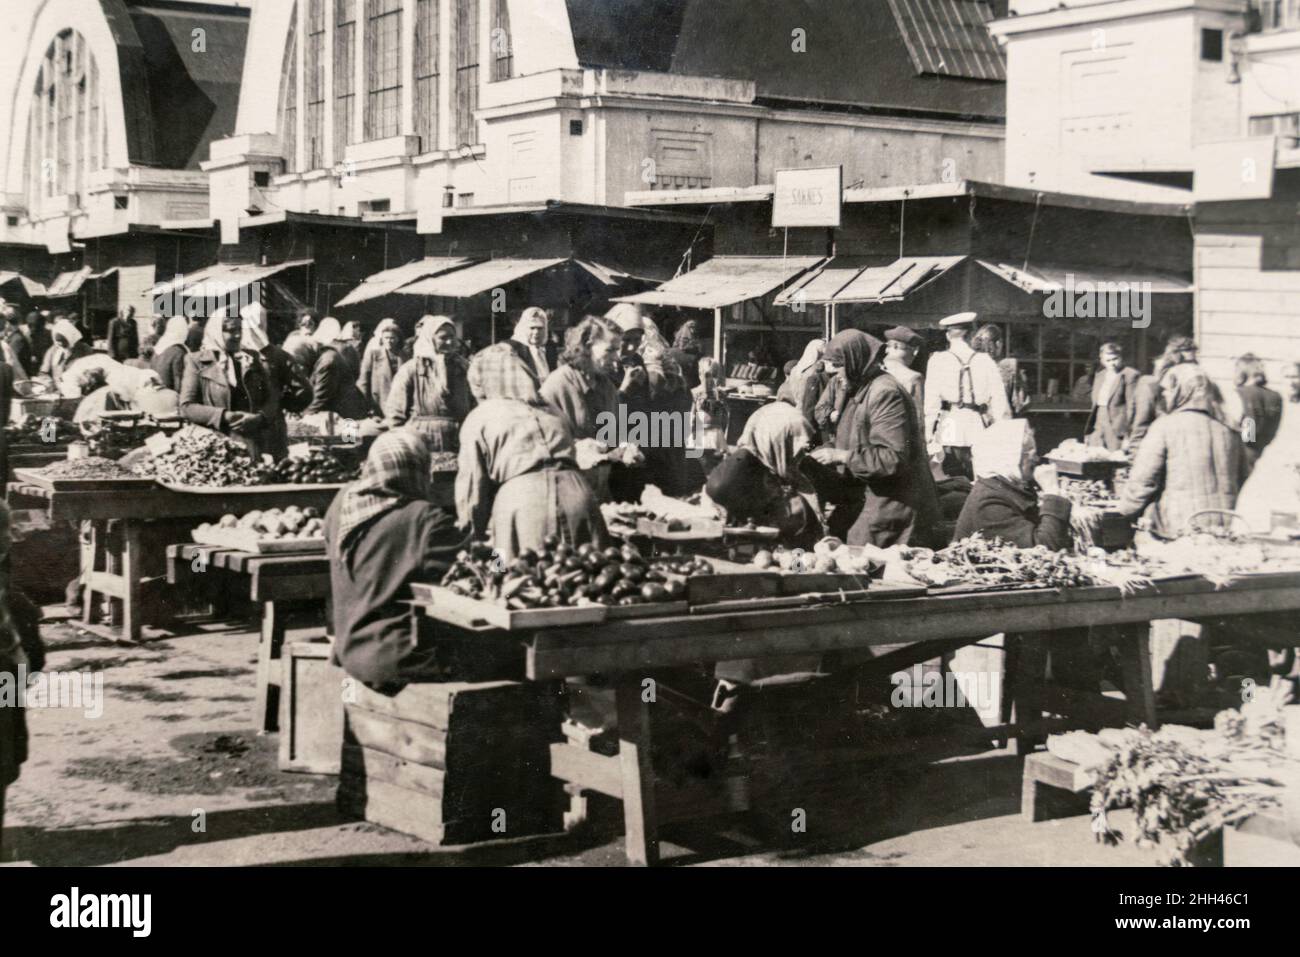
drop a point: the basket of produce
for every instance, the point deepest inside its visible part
(1074, 459)
(558, 584)
(269, 532)
(830, 566)
(89, 474)
(200, 461)
(979, 564)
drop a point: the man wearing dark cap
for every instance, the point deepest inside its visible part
(901, 346)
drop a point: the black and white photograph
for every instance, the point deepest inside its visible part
(649, 433)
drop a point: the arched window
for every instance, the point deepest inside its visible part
(66, 134)
(289, 97)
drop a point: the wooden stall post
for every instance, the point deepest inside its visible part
(718, 344)
(640, 823)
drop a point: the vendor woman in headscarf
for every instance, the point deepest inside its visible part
(382, 534)
(379, 365)
(430, 394)
(803, 387)
(764, 480)
(529, 342)
(180, 337)
(227, 388)
(68, 347)
(1189, 461)
(518, 480)
(889, 497)
(1003, 502)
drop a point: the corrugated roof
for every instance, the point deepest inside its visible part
(68, 283)
(30, 286)
(223, 278)
(869, 284)
(391, 280)
(1050, 278)
(726, 280)
(474, 280)
(856, 52)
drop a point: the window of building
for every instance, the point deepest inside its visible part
(1275, 124)
(289, 98)
(503, 55)
(1212, 46)
(314, 68)
(575, 127)
(121, 202)
(1279, 14)
(345, 45)
(950, 38)
(383, 69)
(426, 74)
(467, 61)
(261, 178)
(377, 206)
(11, 220)
(464, 200)
(66, 140)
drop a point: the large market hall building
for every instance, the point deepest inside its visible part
(495, 141)
(114, 109)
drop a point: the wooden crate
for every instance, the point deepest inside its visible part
(454, 762)
(311, 708)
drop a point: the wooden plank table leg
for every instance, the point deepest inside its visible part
(640, 824)
(91, 556)
(267, 702)
(131, 572)
(1026, 673)
(1134, 643)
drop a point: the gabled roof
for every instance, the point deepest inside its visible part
(858, 54)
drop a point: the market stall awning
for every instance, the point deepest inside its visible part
(68, 283)
(391, 280)
(727, 280)
(223, 278)
(869, 283)
(480, 278)
(30, 286)
(1046, 279)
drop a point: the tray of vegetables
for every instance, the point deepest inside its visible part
(270, 532)
(558, 584)
(87, 474)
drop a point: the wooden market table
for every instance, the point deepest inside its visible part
(122, 575)
(274, 581)
(626, 650)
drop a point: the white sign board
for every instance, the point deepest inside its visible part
(1234, 170)
(808, 197)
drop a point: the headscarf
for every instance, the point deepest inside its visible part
(520, 335)
(497, 372)
(653, 337)
(127, 381)
(998, 451)
(177, 331)
(777, 435)
(856, 352)
(215, 341)
(328, 332)
(425, 330)
(66, 329)
(373, 344)
(687, 337)
(395, 472)
(1192, 390)
(812, 354)
(351, 332)
(254, 317)
(626, 316)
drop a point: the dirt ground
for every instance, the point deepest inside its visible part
(173, 773)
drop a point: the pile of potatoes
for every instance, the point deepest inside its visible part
(275, 524)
